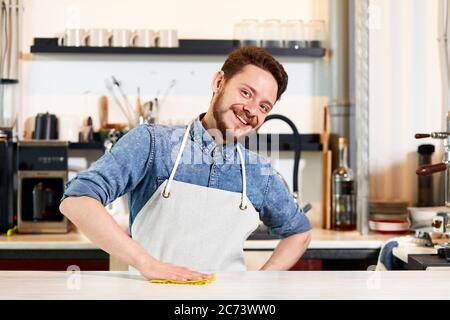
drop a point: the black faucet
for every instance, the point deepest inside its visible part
(297, 155)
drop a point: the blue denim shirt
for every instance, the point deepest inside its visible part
(144, 157)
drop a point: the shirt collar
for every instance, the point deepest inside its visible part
(206, 142)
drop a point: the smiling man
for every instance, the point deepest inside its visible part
(190, 217)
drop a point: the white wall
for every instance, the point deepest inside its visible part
(70, 85)
(405, 94)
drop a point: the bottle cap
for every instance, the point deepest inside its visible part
(425, 149)
(342, 141)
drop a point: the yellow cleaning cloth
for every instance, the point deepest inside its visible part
(194, 282)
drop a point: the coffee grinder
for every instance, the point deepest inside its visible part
(42, 174)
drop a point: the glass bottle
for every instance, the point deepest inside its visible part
(343, 205)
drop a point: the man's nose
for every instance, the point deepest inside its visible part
(251, 109)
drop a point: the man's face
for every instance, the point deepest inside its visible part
(242, 103)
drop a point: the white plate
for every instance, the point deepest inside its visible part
(389, 226)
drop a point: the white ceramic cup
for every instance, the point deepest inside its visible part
(144, 38)
(121, 38)
(73, 38)
(98, 38)
(167, 39)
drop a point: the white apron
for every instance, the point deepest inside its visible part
(201, 228)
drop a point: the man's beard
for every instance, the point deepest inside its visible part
(221, 126)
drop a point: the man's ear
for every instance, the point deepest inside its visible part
(218, 81)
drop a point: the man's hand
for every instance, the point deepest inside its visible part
(151, 268)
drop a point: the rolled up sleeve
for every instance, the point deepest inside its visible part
(279, 211)
(118, 171)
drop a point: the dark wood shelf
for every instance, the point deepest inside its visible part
(187, 47)
(8, 81)
(84, 146)
(308, 142)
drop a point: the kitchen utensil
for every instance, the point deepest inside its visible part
(167, 39)
(160, 100)
(138, 106)
(73, 38)
(121, 38)
(103, 111)
(428, 169)
(46, 127)
(124, 96)
(147, 111)
(86, 134)
(120, 104)
(98, 38)
(144, 38)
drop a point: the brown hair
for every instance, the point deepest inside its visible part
(243, 56)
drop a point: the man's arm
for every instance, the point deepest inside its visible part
(94, 221)
(288, 252)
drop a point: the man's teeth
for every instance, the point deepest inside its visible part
(242, 120)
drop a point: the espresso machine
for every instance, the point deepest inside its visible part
(42, 174)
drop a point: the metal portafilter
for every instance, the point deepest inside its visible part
(428, 169)
(433, 135)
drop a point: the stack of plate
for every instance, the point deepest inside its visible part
(388, 216)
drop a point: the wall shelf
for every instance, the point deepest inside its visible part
(86, 146)
(308, 142)
(187, 47)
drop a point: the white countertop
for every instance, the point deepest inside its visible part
(244, 285)
(69, 241)
(321, 239)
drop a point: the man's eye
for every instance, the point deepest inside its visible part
(246, 93)
(265, 108)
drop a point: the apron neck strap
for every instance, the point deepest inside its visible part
(166, 192)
